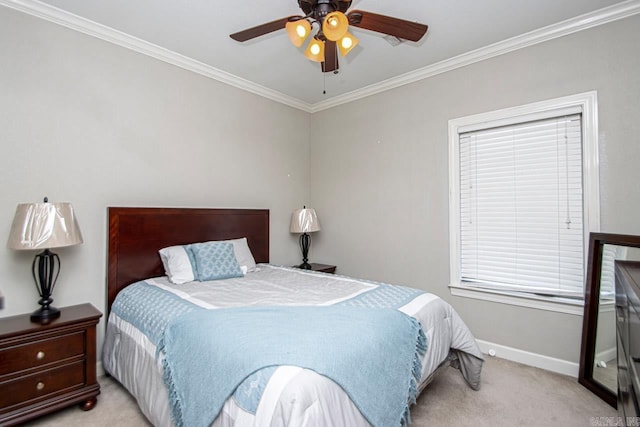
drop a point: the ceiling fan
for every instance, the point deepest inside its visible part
(333, 36)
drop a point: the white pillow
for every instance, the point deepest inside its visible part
(177, 265)
(243, 254)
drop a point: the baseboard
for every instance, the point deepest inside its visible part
(531, 359)
(607, 355)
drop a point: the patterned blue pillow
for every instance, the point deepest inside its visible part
(192, 259)
(215, 260)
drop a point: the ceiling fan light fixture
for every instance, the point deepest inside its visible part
(333, 35)
(315, 50)
(335, 26)
(347, 43)
(298, 31)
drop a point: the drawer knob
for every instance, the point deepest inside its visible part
(40, 385)
(40, 355)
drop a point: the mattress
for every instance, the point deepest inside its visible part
(282, 395)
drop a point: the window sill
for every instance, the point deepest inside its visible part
(557, 304)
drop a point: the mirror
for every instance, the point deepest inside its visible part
(598, 356)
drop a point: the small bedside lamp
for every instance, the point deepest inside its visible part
(304, 221)
(44, 226)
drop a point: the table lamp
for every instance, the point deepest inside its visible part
(44, 226)
(304, 221)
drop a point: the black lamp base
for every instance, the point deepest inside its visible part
(45, 315)
(305, 242)
(45, 268)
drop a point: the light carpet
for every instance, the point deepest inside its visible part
(511, 395)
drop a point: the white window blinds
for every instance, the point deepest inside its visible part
(521, 207)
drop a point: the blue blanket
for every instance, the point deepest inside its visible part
(208, 353)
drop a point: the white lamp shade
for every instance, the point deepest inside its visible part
(304, 221)
(43, 226)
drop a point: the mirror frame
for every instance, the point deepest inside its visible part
(591, 303)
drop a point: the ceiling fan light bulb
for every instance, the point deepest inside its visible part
(335, 26)
(347, 43)
(315, 50)
(298, 31)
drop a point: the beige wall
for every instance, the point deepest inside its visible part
(379, 174)
(95, 124)
(88, 122)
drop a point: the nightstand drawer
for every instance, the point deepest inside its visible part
(45, 367)
(40, 384)
(34, 354)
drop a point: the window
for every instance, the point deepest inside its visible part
(523, 198)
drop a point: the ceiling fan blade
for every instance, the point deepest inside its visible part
(261, 30)
(400, 28)
(330, 57)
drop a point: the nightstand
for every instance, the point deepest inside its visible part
(325, 268)
(44, 368)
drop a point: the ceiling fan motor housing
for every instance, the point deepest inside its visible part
(318, 9)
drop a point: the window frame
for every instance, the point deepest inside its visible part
(587, 103)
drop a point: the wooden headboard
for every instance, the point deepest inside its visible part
(136, 235)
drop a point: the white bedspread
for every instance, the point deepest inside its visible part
(293, 396)
(269, 285)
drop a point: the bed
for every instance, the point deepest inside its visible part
(204, 352)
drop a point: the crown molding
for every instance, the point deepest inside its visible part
(111, 35)
(83, 25)
(593, 19)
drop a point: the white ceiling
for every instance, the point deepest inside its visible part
(198, 30)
